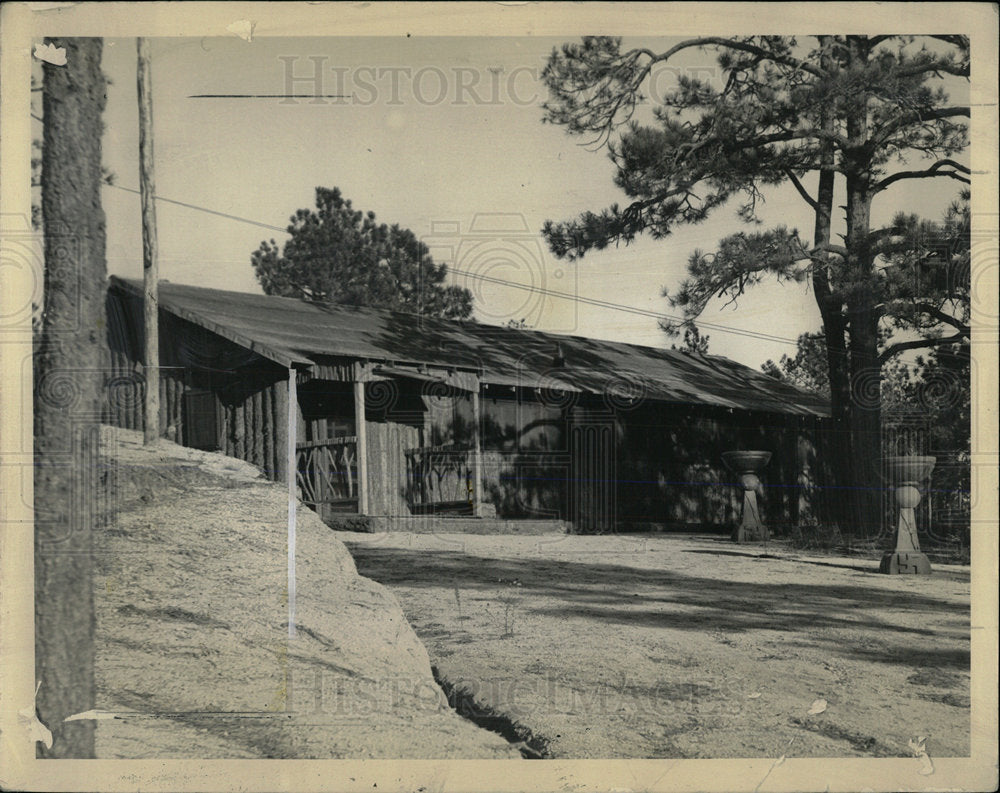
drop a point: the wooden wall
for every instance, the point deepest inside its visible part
(254, 420)
(665, 464)
(395, 419)
(387, 441)
(671, 470)
(249, 393)
(526, 470)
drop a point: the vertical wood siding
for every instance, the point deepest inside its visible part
(387, 442)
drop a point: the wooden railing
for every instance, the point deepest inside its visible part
(439, 477)
(327, 471)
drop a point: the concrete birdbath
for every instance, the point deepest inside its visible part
(747, 465)
(905, 474)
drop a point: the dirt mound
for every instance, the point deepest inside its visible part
(193, 654)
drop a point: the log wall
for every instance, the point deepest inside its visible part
(249, 392)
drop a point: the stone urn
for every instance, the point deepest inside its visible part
(748, 465)
(905, 474)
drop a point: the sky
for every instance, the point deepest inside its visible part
(440, 135)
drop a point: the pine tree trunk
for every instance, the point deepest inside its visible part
(68, 385)
(834, 329)
(831, 309)
(865, 374)
(865, 418)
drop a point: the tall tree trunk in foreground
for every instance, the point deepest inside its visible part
(865, 374)
(67, 388)
(834, 328)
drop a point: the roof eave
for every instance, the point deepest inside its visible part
(265, 351)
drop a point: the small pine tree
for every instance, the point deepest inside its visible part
(338, 254)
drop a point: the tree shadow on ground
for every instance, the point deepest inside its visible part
(608, 593)
(859, 568)
(868, 567)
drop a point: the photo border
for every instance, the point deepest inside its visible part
(24, 22)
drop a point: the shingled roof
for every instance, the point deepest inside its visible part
(302, 334)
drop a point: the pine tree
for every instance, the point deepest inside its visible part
(67, 390)
(850, 108)
(338, 254)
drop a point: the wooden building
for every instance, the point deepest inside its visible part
(397, 415)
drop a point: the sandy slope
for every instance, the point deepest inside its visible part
(192, 647)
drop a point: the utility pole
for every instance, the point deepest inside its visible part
(150, 270)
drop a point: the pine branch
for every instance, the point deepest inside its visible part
(802, 190)
(944, 317)
(959, 173)
(829, 247)
(732, 44)
(888, 129)
(622, 69)
(918, 344)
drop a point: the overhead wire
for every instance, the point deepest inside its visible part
(607, 304)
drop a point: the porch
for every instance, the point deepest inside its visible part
(387, 442)
(440, 480)
(326, 473)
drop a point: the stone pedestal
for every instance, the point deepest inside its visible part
(906, 473)
(747, 465)
(909, 563)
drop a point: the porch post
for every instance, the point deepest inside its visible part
(360, 431)
(293, 434)
(477, 473)
(803, 473)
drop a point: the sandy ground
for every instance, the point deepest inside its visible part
(192, 647)
(683, 646)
